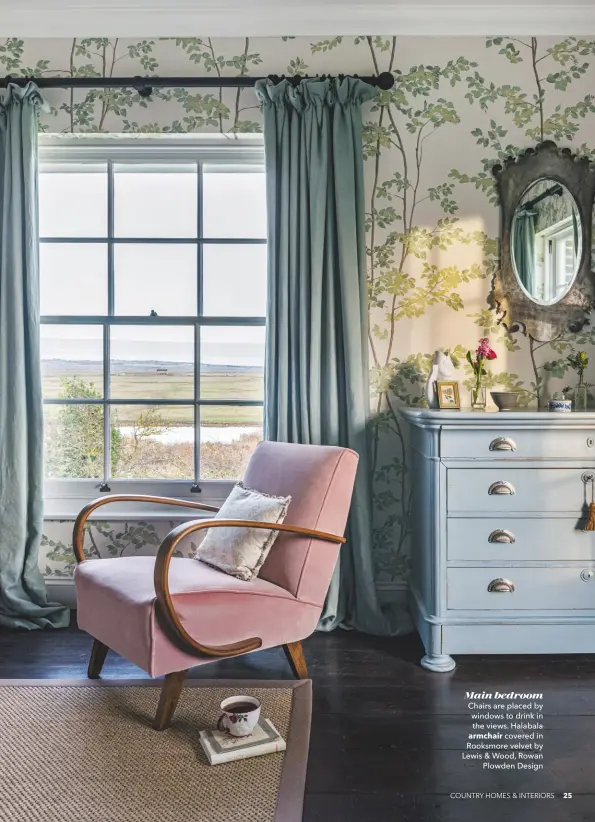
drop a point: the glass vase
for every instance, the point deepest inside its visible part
(580, 395)
(478, 397)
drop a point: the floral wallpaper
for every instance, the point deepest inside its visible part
(458, 106)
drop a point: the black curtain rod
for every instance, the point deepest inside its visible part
(145, 85)
(555, 190)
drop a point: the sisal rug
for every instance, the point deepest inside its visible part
(81, 751)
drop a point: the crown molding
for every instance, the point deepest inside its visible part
(267, 18)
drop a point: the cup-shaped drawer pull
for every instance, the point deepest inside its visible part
(503, 444)
(502, 535)
(501, 586)
(501, 487)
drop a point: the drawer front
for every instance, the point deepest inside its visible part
(506, 489)
(507, 539)
(531, 589)
(510, 444)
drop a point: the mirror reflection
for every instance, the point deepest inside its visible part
(546, 241)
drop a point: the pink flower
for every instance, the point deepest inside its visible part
(483, 349)
(477, 360)
(484, 352)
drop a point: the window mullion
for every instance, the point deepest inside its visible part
(197, 354)
(110, 239)
(107, 414)
(107, 426)
(196, 486)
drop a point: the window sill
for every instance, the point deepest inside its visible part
(63, 499)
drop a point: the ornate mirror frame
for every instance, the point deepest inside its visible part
(516, 309)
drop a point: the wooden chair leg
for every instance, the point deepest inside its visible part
(98, 654)
(297, 662)
(168, 701)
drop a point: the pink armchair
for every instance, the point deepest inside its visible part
(168, 614)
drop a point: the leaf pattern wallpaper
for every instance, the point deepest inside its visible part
(459, 105)
(102, 539)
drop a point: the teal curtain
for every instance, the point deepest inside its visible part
(523, 240)
(23, 600)
(317, 383)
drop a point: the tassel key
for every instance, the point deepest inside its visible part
(590, 523)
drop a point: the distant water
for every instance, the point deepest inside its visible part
(208, 433)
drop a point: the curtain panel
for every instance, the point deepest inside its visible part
(317, 384)
(23, 600)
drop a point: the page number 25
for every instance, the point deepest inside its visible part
(567, 796)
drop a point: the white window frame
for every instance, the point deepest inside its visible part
(554, 234)
(65, 497)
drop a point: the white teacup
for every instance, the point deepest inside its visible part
(239, 715)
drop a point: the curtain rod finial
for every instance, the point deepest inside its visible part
(140, 85)
(385, 80)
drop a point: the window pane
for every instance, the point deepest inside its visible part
(152, 362)
(159, 278)
(232, 362)
(152, 441)
(155, 203)
(73, 278)
(228, 436)
(73, 440)
(235, 280)
(234, 204)
(73, 204)
(72, 361)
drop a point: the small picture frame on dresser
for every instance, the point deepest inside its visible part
(447, 392)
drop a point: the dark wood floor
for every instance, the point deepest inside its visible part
(387, 736)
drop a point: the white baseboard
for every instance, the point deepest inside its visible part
(62, 591)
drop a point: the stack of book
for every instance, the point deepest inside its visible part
(220, 746)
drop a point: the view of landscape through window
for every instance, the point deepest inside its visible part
(153, 293)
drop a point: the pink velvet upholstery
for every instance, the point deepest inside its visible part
(116, 605)
(319, 480)
(116, 597)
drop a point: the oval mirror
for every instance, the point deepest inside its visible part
(546, 241)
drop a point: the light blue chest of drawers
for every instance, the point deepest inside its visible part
(500, 563)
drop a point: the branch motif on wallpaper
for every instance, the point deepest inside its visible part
(552, 68)
(102, 539)
(428, 265)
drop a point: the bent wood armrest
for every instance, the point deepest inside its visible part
(164, 601)
(79, 525)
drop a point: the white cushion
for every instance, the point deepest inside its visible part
(242, 551)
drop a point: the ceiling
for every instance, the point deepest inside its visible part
(239, 18)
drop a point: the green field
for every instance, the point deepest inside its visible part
(214, 386)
